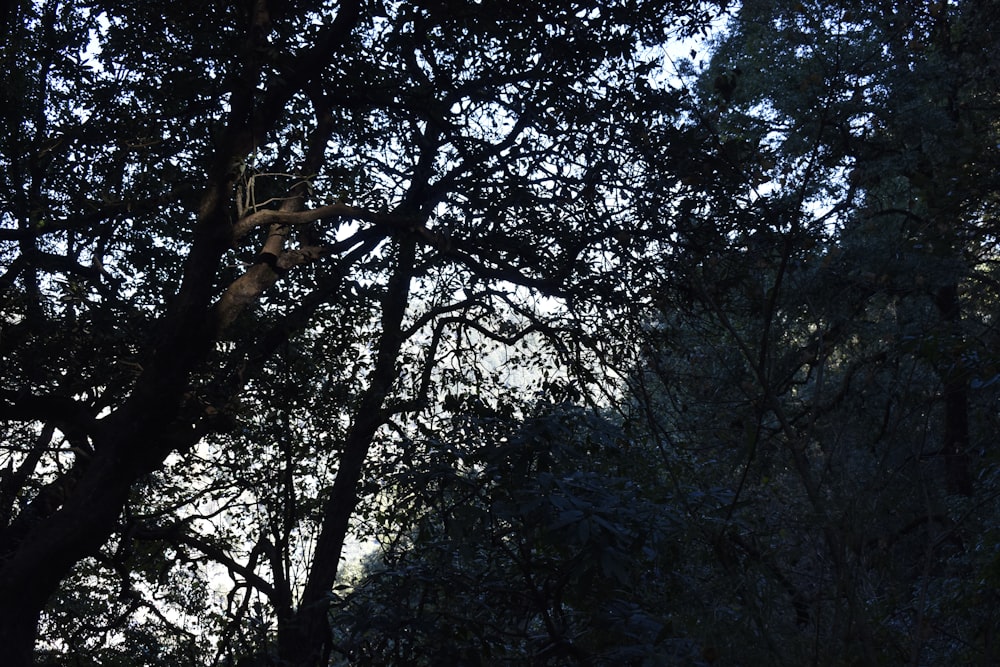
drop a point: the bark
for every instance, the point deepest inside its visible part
(17, 632)
(34, 566)
(955, 447)
(127, 444)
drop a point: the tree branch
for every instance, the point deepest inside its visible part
(68, 415)
(175, 534)
(292, 218)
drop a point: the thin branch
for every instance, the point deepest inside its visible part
(176, 535)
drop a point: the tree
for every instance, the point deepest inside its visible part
(238, 244)
(615, 364)
(830, 361)
(545, 541)
(814, 411)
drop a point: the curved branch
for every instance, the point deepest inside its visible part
(175, 534)
(279, 217)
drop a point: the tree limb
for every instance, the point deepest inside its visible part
(292, 218)
(175, 534)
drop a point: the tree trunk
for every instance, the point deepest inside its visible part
(35, 563)
(18, 627)
(303, 639)
(955, 448)
(141, 432)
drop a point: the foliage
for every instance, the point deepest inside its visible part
(826, 363)
(534, 542)
(247, 246)
(617, 357)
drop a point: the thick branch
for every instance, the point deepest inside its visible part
(292, 218)
(68, 415)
